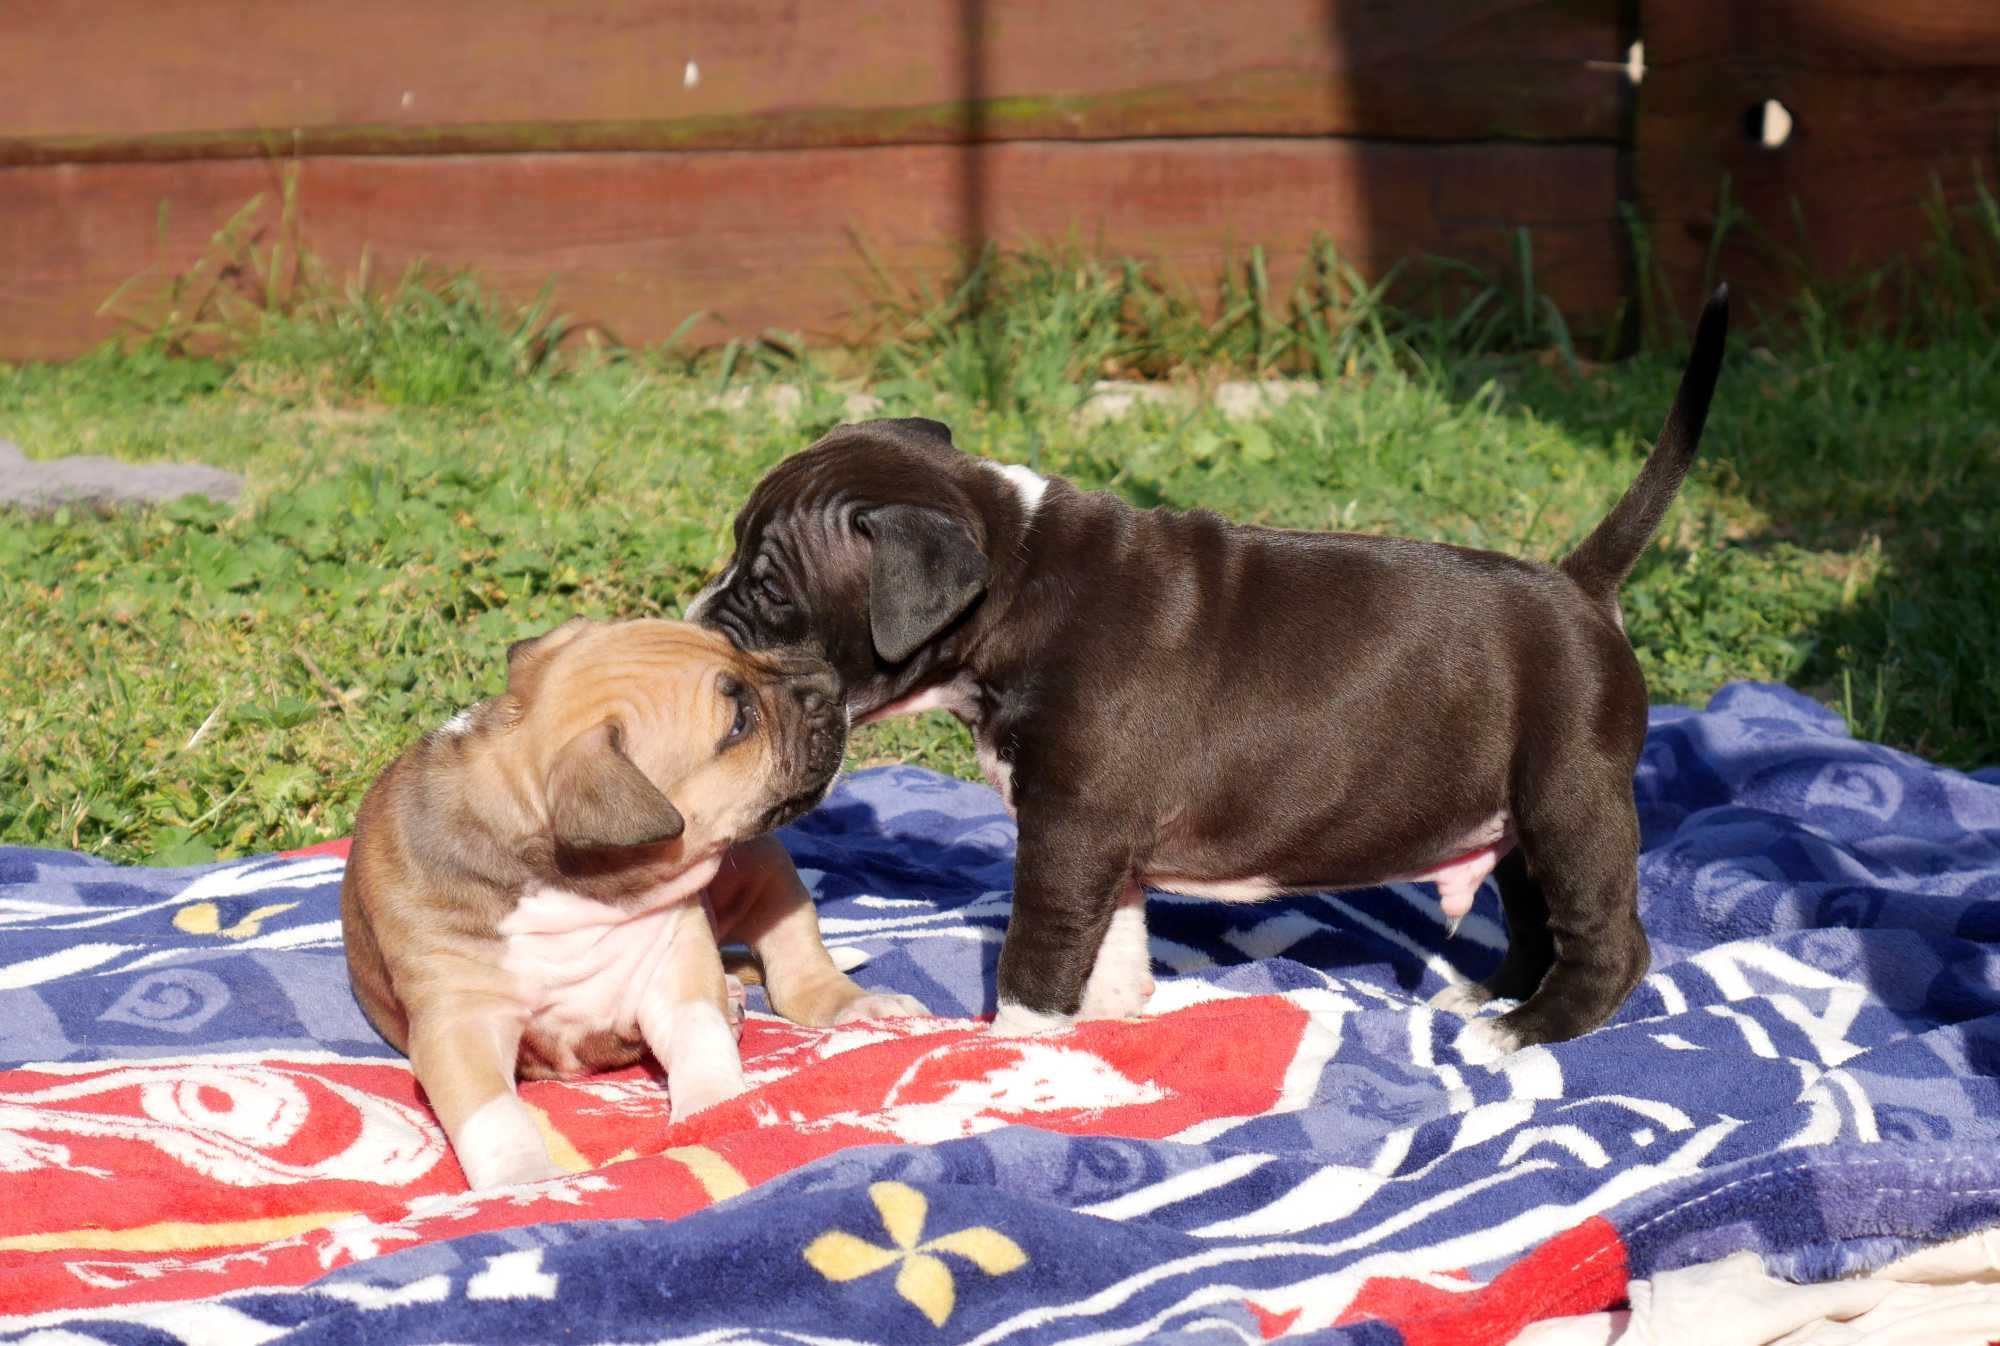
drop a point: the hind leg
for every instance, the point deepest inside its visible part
(1530, 950)
(1581, 834)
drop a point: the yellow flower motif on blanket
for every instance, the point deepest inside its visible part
(202, 918)
(921, 1277)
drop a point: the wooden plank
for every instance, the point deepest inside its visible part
(639, 241)
(1887, 97)
(1848, 35)
(208, 78)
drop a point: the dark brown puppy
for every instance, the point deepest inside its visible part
(1176, 701)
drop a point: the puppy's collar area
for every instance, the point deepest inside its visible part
(1029, 486)
(583, 861)
(956, 692)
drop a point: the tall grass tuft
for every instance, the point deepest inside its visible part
(261, 300)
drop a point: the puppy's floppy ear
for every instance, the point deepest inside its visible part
(598, 799)
(935, 429)
(525, 654)
(926, 570)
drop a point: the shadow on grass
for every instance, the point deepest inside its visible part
(1879, 468)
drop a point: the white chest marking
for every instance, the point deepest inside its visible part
(582, 966)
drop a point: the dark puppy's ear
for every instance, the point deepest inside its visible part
(935, 429)
(926, 570)
(599, 800)
(524, 654)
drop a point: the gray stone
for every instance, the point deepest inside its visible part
(1242, 399)
(47, 484)
(1113, 399)
(785, 401)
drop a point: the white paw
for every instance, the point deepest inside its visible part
(1018, 1021)
(1105, 998)
(500, 1145)
(1464, 999)
(1121, 979)
(1484, 1042)
(881, 1006)
(685, 1098)
(507, 1170)
(732, 987)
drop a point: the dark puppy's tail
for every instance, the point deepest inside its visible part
(1607, 556)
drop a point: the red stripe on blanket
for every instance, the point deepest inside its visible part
(1581, 1270)
(177, 1179)
(337, 849)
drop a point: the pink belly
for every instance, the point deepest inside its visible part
(1458, 878)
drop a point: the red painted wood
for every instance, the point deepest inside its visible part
(639, 241)
(1887, 97)
(523, 75)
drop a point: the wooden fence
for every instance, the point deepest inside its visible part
(745, 157)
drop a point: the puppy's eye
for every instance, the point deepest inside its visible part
(745, 721)
(773, 591)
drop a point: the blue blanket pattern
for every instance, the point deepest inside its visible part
(1811, 1072)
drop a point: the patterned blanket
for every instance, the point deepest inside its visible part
(201, 1140)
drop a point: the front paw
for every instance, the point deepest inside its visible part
(835, 999)
(1464, 999)
(1484, 1042)
(880, 1005)
(1018, 1021)
(500, 1145)
(1116, 998)
(686, 1098)
(485, 1171)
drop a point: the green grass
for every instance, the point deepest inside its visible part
(428, 481)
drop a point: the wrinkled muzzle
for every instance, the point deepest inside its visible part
(812, 734)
